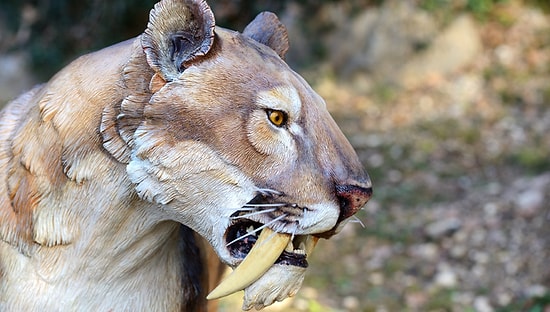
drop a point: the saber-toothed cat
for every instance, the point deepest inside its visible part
(133, 171)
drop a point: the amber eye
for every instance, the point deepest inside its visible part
(277, 117)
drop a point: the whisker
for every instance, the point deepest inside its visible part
(294, 231)
(269, 192)
(245, 208)
(357, 220)
(258, 229)
(253, 213)
(264, 205)
(271, 222)
(254, 207)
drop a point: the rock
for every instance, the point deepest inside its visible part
(378, 40)
(465, 91)
(535, 291)
(416, 300)
(444, 227)
(529, 203)
(351, 303)
(456, 47)
(376, 278)
(446, 277)
(481, 304)
(425, 252)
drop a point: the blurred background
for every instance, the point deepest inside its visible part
(447, 103)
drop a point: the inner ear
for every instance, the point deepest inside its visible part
(179, 32)
(179, 48)
(267, 29)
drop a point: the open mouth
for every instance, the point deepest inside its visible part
(242, 236)
(260, 248)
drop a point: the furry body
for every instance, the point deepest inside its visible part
(118, 174)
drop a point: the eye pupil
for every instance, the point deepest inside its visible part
(278, 118)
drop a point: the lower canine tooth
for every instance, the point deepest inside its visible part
(311, 242)
(261, 257)
(289, 247)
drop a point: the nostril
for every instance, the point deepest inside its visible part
(352, 198)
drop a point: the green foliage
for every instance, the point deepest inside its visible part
(480, 8)
(533, 158)
(542, 4)
(441, 300)
(315, 306)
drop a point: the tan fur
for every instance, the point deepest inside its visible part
(101, 165)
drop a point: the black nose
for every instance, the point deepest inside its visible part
(352, 198)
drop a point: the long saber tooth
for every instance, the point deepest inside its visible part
(269, 246)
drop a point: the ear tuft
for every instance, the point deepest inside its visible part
(268, 30)
(179, 31)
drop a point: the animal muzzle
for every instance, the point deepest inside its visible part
(352, 197)
(271, 245)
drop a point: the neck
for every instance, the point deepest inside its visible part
(121, 257)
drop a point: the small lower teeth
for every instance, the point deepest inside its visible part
(301, 250)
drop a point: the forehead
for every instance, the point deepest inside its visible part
(244, 56)
(240, 62)
(241, 70)
(231, 38)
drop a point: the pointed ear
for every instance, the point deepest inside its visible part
(267, 29)
(179, 31)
